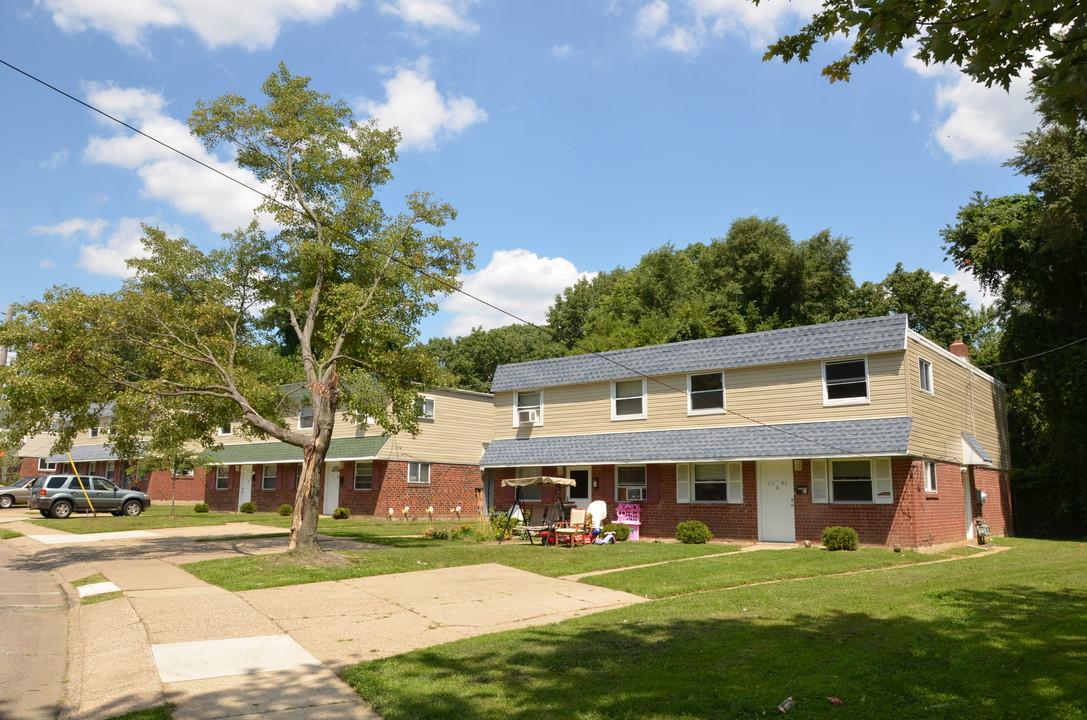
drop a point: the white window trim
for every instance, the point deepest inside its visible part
(419, 467)
(222, 477)
(866, 400)
(301, 414)
(423, 414)
(517, 408)
(931, 485)
(924, 371)
(229, 429)
(879, 470)
(645, 483)
(264, 477)
(355, 480)
(645, 400)
(43, 465)
(94, 432)
(707, 411)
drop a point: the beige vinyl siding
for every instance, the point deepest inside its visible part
(462, 423)
(962, 402)
(773, 393)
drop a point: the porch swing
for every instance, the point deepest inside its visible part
(553, 513)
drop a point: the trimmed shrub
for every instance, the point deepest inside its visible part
(840, 538)
(248, 508)
(201, 508)
(285, 510)
(341, 513)
(693, 532)
(622, 532)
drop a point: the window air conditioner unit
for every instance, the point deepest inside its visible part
(528, 417)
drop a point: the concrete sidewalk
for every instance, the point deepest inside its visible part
(271, 654)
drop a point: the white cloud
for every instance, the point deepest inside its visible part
(966, 282)
(167, 176)
(414, 105)
(250, 23)
(686, 26)
(68, 228)
(518, 281)
(561, 52)
(55, 160)
(445, 14)
(124, 243)
(980, 122)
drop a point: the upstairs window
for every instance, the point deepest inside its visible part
(529, 408)
(95, 432)
(425, 408)
(227, 429)
(924, 372)
(705, 393)
(628, 400)
(845, 382)
(305, 418)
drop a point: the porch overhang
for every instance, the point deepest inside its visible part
(274, 453)
(879, 437)
(84, 453)
(973, 453)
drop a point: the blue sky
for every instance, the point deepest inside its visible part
(572, 136)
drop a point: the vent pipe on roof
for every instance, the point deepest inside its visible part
(960, 349)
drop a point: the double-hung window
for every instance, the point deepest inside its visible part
(852, 481)
(227, 429)
(630, 483)
(425, 408)
(628, 400)
(710, 482)
(268, 477)
(222, 477)
(529, 408)
(930, 476)
(364, 475)
(924, 373)
(418, 473)
(845, 382)
(95, 432)
(305, 418)
(705, 393)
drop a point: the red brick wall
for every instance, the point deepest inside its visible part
(997, 510)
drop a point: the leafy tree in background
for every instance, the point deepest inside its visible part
(180, 349)
(991, 41)
(473, 357)
(1031, 249)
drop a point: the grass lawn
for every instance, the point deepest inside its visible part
(998, 636)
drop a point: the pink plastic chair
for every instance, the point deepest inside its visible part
(630, 515)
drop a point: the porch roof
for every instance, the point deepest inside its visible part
(84, 453)
(879, 437)
(365, 448)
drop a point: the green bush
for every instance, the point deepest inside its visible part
(499, 530)
(201, 508)
(249, 508)
(840, 538)
(622, 532)
(285, 510)
(341, 513)
(693, 532)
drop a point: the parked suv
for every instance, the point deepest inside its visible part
(60, 495)
(17, 492)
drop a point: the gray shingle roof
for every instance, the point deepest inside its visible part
(84, 453)
(811, 342)
(873, 438)
(973, 442)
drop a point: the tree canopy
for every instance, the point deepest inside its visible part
(182, 348)
(992, 41)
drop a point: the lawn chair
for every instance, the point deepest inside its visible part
(598, 511)
(576, 530)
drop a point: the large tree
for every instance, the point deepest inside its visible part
(472, 358)
(181, 349)
(1031, 250)
(992, 41)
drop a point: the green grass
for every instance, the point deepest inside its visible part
(408, 554)
(993, 637)
(6, 534)
(749, 568)
(163, 712)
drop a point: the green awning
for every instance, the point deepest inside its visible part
(365, 448)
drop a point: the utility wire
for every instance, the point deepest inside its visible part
(451, 286)
(1031, 357)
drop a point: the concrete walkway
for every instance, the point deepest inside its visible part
(165, 636)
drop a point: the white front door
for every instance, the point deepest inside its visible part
(332, 488)
(245, 485)
(968, 502)
(775, 502)
(579, 494)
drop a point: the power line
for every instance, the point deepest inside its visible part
(1035, 355)
(376, 251)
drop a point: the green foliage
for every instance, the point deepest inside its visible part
(622, 532)
(473, 358)
(341, 513)
(838, 537)
(201, 508)
(455, 532)
(693, 532)
(992, 42)
(248, 508)
(285, 510)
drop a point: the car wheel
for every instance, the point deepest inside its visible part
(6, 501)
(132, 508)
(61, 509)
(45, 513)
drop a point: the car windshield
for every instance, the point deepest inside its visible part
(23, 482)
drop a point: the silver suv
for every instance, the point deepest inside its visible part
(59, 496)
